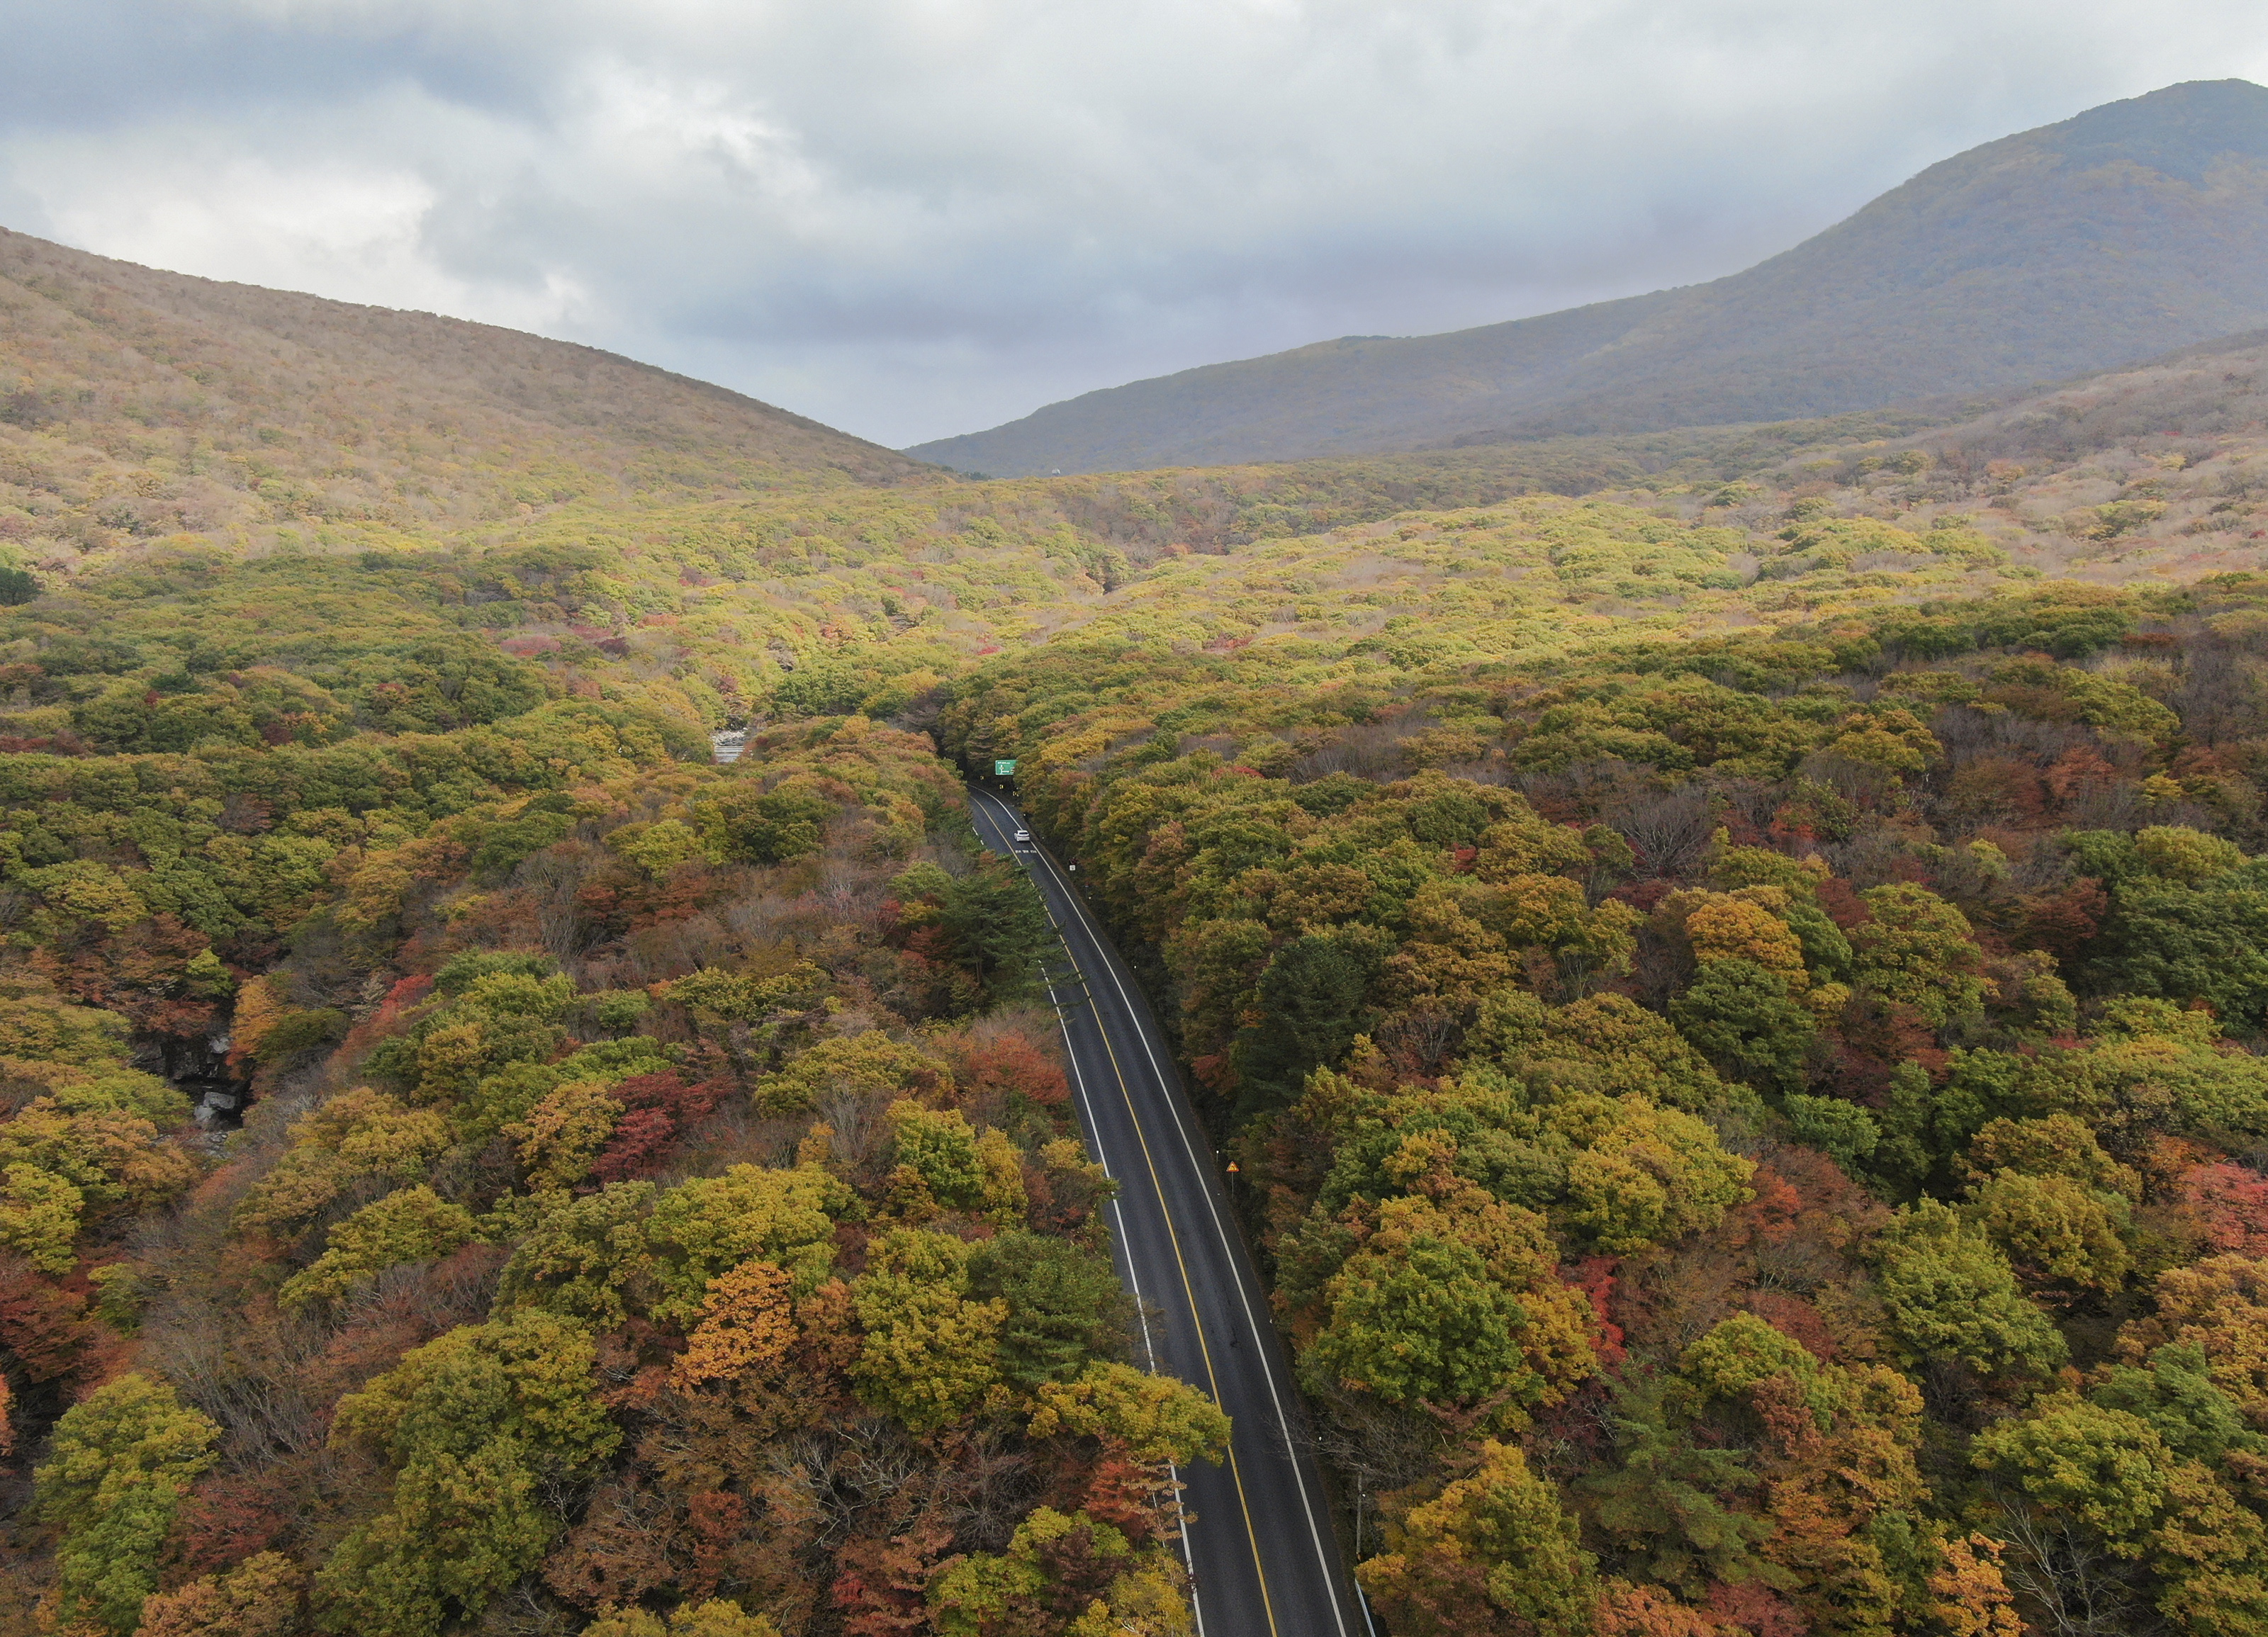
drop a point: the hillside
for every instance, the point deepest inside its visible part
(191, 405)
(2130, 230)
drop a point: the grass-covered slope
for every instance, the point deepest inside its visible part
(192, 405)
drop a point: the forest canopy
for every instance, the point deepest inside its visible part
(1734, 972)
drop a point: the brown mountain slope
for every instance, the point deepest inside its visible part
(187, 404)
(2132, 229)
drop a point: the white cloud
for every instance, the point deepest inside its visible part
(331, 227)
(919, 217)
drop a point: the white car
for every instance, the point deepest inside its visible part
(1023, 835)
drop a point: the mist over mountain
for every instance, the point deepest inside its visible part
(2132, 229)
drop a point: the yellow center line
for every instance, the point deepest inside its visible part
(1188, 1290)
(1235, 1472)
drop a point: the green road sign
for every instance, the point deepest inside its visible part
(1003, 769)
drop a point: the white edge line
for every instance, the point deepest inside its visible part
(1094, 1139)
(1267, 1369)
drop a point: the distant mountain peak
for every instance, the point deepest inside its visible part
(2179, 131)
(1987, 271)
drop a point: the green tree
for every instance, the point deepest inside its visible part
(2173, 1391)
(931, 1351)
(39, 1216)
(998, 925)
(1057, 1567)
(1842, 1130)
(2203, 942)
(118, 1465)
(409, 1225)
(583, 1256)
(701, 1228)
(1064, 1304)
(358, 1134)
(939, 1147)
(478, 1426)
(2101, 1472)
(1924, 1125)
(1741, 1017)
(564, 1133)
(259, 1597)
(2053, 1229)
(1663, 1500)
(1917, 951)
(659, 848)
(2178, 852)
(715, 1618)
(1157, 1420)
(1826, 952)
(1618, 1046)
(1639, 1175)
(1452, 1309)
(1216, 965)
(1742, 1351)
(868, 1063)
(1311, 1007)
(2220, 1306)
(1949, 1294)
(2053, 1145)
(771, 828)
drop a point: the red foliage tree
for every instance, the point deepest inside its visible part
(881, 1582)
(1007, 1065)
(2062, 921)
(230, 1517)
(43, 1329)
(1753, 1608)
(2229, 1202)
(658, 1107)
(138, 972)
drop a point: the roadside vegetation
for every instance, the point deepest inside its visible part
(1754, 1129)
(1734, 968)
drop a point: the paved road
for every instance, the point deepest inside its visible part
(1258, 1541)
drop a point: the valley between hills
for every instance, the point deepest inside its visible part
(1729, 958)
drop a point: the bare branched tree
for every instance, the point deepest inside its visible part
(2071, 1585)
(1669, 833)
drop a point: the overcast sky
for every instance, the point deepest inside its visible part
(915, 218)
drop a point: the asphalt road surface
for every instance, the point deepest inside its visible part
(1257, 1539)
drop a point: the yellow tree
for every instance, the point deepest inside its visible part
(1493, 1553)
(930, 1353)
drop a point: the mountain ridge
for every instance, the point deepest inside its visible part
(1984, 271)
(286, 379)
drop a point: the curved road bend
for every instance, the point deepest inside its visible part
(1259, 1541)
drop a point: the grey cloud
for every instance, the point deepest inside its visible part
(914, 217)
